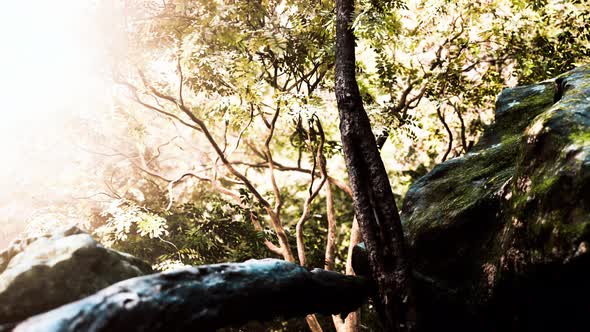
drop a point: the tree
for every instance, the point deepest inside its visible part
(244, 80)
(258, 75)
(373, 199)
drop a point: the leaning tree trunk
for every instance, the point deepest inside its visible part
(206, 298)
(373, 199)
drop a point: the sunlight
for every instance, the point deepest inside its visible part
(53, 66)
(50, 65)
(186, 136)
(42, 55)
(54, 55)
(39, 61)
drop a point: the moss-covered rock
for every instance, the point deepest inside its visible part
(503, 232)
(41, 273)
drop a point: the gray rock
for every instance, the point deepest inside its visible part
(41, 273)
(503, 232)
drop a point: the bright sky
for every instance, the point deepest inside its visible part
(52, 62)
(42, 52)
(53, 65)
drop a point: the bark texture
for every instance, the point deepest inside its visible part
(353, 321)
(206, 298)
(373, 199)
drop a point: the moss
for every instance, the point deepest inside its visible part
(577, 231)
(479, 177)
(556, 238)
(545, 184)
(482, 175)
(516, 209)
(547, 204)
(539, 99)
(542, 228)
(581, 138)
(526, 97)
(524, 146)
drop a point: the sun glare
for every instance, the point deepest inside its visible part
(53, 66)
(41, 55)
(50, 64)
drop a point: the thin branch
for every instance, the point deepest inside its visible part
(96, 194)
(200, 125)
(181, 81)
(268, 153)
(463, 135)
(243, 129)
(138, 100)
(331, 236)
(313, 193)
(283, 168)
(449, 132)
(159, 149)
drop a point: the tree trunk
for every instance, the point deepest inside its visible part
(352, 323)
(206, 298)
(373, 199)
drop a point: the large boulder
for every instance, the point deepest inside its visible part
(41, 273)
(500, 236)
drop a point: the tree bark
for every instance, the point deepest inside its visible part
(331, 236)
(206, 298)
(353, 321)
(373, 199)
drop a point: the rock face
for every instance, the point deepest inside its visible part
(41, 273)
(502, 233)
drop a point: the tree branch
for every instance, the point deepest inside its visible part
(206, 298)
(312, 194)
